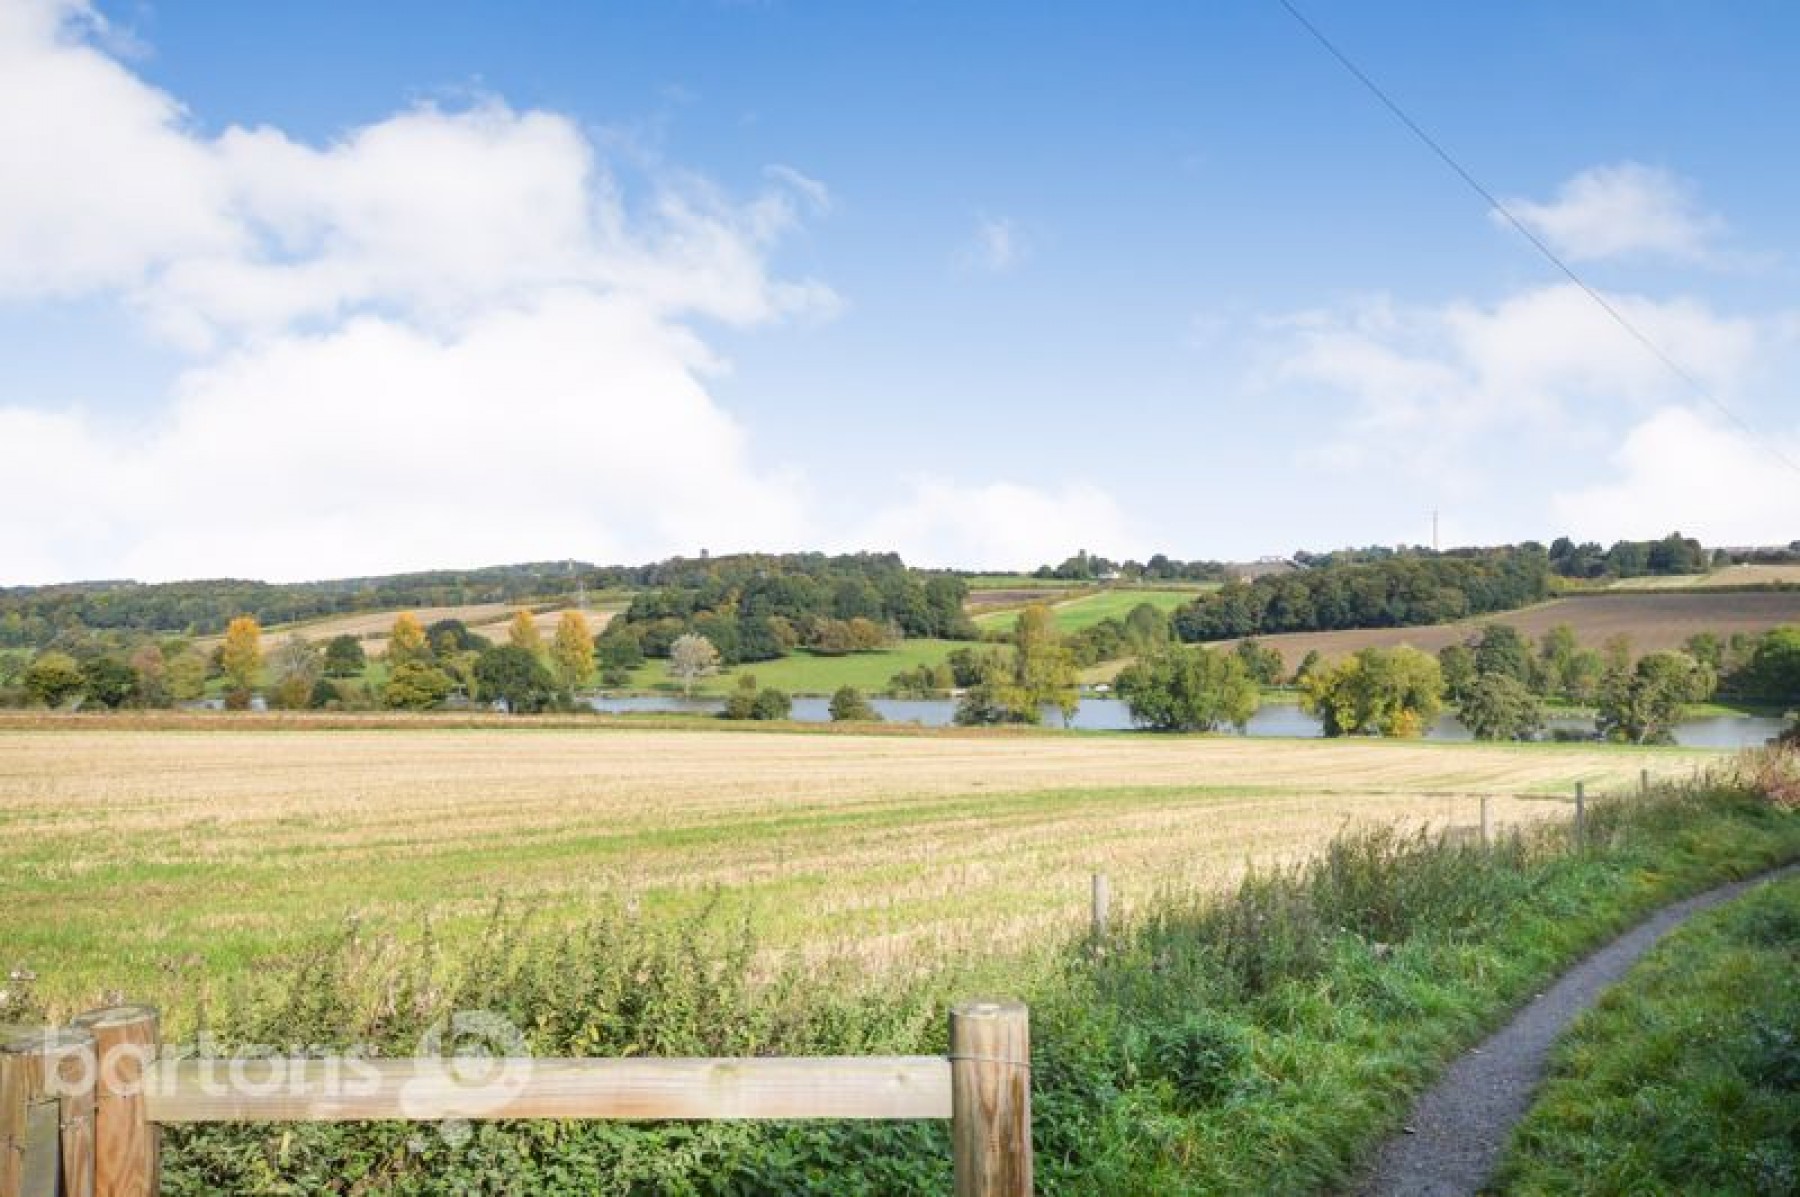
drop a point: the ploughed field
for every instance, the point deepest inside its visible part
(157, 863)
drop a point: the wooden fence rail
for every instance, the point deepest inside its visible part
(80, 1106)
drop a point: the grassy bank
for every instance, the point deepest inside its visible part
(1686, 1077)
(1258, 1042)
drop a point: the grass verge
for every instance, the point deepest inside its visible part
(1685, 1078)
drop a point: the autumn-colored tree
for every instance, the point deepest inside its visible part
(572, 651)
(406, 642)
(523, 633)
(242, 655)
(152, 670)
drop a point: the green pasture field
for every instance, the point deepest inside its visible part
(804, 672)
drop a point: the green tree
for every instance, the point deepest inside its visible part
(1503, 650)
(1379, 691)
(1643, 704)
(1457, 663)
(1263, 664)
(741, 703)
(849, 706)
(187, 675)
(108, 682)
(515, 676)
(772, 704)
(1498, 706)
(241, 656)
(52, 679)
(1189, 688)
(344, 657)
(1146, 628)
(1772, 673)
(416, 685)
(1043, 670)
(692, 657)
(619, 647)
(572, 651)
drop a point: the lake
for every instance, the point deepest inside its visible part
(1278, 720)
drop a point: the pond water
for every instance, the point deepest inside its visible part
(1276, 720)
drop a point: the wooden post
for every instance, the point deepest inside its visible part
(990, 1098)
(1644, 782)
(1580, 815)
(60, 1064)
(1102, 907)
(40, 1165)
(125, 1142)
(1486, 829)
(15, 1103)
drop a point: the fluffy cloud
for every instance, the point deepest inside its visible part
(444, 337)
(1622, 210)
(1000, 525)
(1681, 469)
(1545, 361)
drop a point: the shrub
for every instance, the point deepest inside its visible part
(849, 706)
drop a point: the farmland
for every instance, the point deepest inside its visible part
(485, 619)
(1731, 575)
(805, 672)
(159, 861)
(1653, 620)
(1089, 608)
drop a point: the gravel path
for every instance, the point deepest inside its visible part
(1458, 1128)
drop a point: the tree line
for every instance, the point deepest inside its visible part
(761, 608)
(1400, 591)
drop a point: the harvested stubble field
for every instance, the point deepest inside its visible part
(158, 862)
(372, 627)
(1652, 619)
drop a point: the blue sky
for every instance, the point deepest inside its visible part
(311, 290)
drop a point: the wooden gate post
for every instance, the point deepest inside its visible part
(1644, 782)
(1486, 837)
(125, 1143)
(59, 1064)
(990, 1098)
(15, 1101)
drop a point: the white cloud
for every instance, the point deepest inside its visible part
(1680, 469)
(1428, 388)
(998, 246)
(1622, 210)
(999, 525)
(446, 337)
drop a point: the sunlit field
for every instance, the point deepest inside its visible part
(146, 860)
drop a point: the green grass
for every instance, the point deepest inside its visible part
(1261, 1043)
(1686, 1077)
(1087, 610)
(807, 673)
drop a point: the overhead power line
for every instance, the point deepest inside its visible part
(1550, 255)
